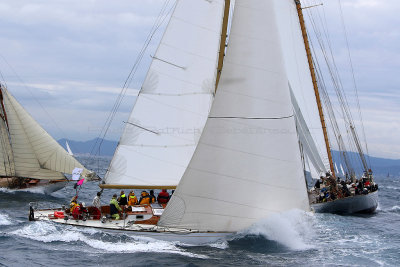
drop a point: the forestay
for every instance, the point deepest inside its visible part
(298, 72)
(247, 164)
(172, 107)
(35, 153)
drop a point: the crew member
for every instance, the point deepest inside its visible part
(96, 209)
(163, 197)
(114, 207)
(152, 197)
(73, 204)
(78, 211)
(145, 198)
(132, 199)
(122, 200)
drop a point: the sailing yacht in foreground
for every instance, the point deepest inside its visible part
(29, 156)
(237, 163)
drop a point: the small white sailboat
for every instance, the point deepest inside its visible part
(29, 156)
(68, 149)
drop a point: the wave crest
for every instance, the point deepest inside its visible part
(291, 229)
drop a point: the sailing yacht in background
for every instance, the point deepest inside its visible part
(29, 156)
(68, 148)
(239, 162)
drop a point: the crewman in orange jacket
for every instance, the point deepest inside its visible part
(132, 199)
(145, 198)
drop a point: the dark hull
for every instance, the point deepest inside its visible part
(350, 205)
(45, 186)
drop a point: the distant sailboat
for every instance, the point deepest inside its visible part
(29, 156)
(68, 148)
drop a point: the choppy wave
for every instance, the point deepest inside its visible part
(291, 229)
(36, 190)
(392, 187)
(95, 239)
(394, 208)
(5, 219)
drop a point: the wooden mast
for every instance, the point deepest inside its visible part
(315, 84)
(223, 41)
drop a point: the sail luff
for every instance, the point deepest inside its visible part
(7, 166)
(315, 84)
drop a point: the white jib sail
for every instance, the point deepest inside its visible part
(247, 164)
(310, 149)
(36, 153)
(170, 112)
(298, 71)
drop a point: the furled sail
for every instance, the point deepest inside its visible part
(172, 107)
(247, 164)
(298, 71)
(35, 153)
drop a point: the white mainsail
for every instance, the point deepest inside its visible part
(172, 107)
(35, 153)
(247, 164)
(298, 72)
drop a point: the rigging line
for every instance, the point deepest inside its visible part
(124, 88)
(328, 105)
(354, 79)
(159, 21)
(336, 80)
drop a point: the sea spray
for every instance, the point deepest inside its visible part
(5, 219)
(35, 190)
(98, 240)
(292, 229)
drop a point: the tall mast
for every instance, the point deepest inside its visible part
(315, 84)
(223, 42)
(9, 165)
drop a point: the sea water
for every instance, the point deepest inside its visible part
(290, 238)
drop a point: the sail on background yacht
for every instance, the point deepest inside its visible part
(29, 156)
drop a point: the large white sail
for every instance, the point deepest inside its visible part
(35, 153)
(298, 71)
(247, 164)
(170, 112)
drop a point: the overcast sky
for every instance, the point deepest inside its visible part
(74, 56)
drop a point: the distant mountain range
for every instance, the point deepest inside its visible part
(380, 166)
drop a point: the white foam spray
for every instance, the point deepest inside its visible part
(5, 219)
(47, 232)
(36, 190)
(292, 229)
